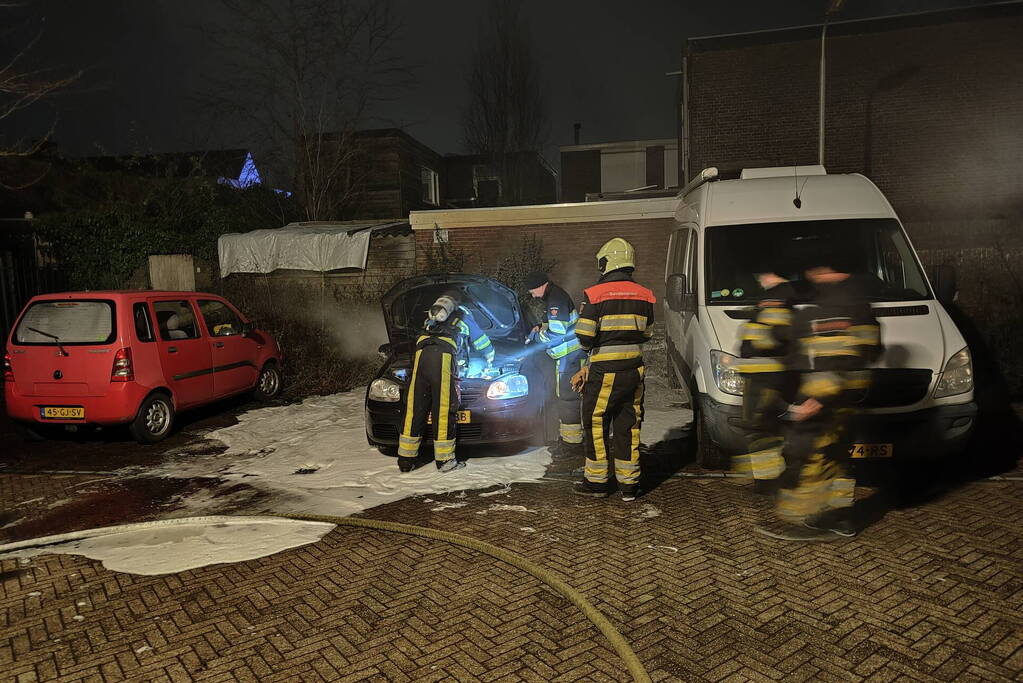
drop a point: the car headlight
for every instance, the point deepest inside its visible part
(512, 386)
(384, 390)
(726, 373)
(957, 378)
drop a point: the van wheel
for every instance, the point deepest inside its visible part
(268, 386)
(708, 455)
(154, 420)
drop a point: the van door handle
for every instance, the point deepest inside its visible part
(219, 345)
(172, 349)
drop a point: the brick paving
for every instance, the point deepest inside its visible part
(933, 592)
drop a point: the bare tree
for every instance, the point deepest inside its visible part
(507, 110)
(302, 76)
(21, 87)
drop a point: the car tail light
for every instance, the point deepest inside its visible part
(8, 369)
(123, 370)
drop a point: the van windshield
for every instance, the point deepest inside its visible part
(876, 249)
(69, 322)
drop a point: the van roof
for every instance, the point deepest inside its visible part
(769, 199)
(118, 293)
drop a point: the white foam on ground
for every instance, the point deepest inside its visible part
(176, 548)
(664, 424)
(328, 434)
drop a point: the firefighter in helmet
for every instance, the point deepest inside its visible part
(835, 340)
(450, 331)
(769, 382)
(556, 332)
(615, 318)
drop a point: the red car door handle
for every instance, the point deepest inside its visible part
(219, 345)
(172, 349)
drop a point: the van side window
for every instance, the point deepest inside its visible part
(679, 244)
(143, 323)
(175, 320)
(221, 321)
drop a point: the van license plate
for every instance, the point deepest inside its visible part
(462, 417)
(62, 413)
(872, 450)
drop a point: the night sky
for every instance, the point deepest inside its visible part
(604, 64)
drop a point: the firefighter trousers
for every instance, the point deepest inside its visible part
(815, 480)
(569, 414)
(763, 403)
(612, 413)
(432, 390)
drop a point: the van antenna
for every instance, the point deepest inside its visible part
(797, 202)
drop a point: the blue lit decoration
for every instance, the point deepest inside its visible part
(248, 177)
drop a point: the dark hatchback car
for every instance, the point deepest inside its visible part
(505, 403)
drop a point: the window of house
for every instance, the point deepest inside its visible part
(430, 184)
(486, 185)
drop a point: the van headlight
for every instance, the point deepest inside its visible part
(726, 373)
(384, 390)
(512, 386)
(957, 378)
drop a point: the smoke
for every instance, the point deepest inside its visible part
(356, 329)
(576, 275)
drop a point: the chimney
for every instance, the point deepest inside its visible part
(577, 126)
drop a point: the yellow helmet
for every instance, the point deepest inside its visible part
(616, 253)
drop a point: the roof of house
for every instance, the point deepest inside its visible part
(854, 26)
(226, 163)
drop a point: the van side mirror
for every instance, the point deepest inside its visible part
(248, 328)
(384, 350)
(680, 299)
(946, 286)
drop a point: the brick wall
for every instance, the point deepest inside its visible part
(927, 107)
(573, 245)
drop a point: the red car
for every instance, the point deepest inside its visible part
(132, 357)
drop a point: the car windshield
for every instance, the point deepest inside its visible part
(495, 311)
(46, 323)
(877, 249)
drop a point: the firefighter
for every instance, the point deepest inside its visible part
(450, 331)
(616, 316)
(766, 342)
(836, 339)
(557, 333)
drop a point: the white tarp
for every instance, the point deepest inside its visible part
(298, 246)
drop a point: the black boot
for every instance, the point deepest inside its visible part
(629, 492)
(588, 488)
(406, 464)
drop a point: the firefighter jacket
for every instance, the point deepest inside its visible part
(615, 318)
(462, 332)
(767, 338)
(560, 316)
(835, 341)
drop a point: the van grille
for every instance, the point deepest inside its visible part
(892, 387)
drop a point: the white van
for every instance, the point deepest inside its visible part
(921, 399)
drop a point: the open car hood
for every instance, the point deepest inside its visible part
(494, 306)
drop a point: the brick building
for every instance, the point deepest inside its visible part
(610, 169)
(928, 106)
(571, 235)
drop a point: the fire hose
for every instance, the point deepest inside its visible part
(616, 640)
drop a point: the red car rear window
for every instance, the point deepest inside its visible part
(78, 321)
